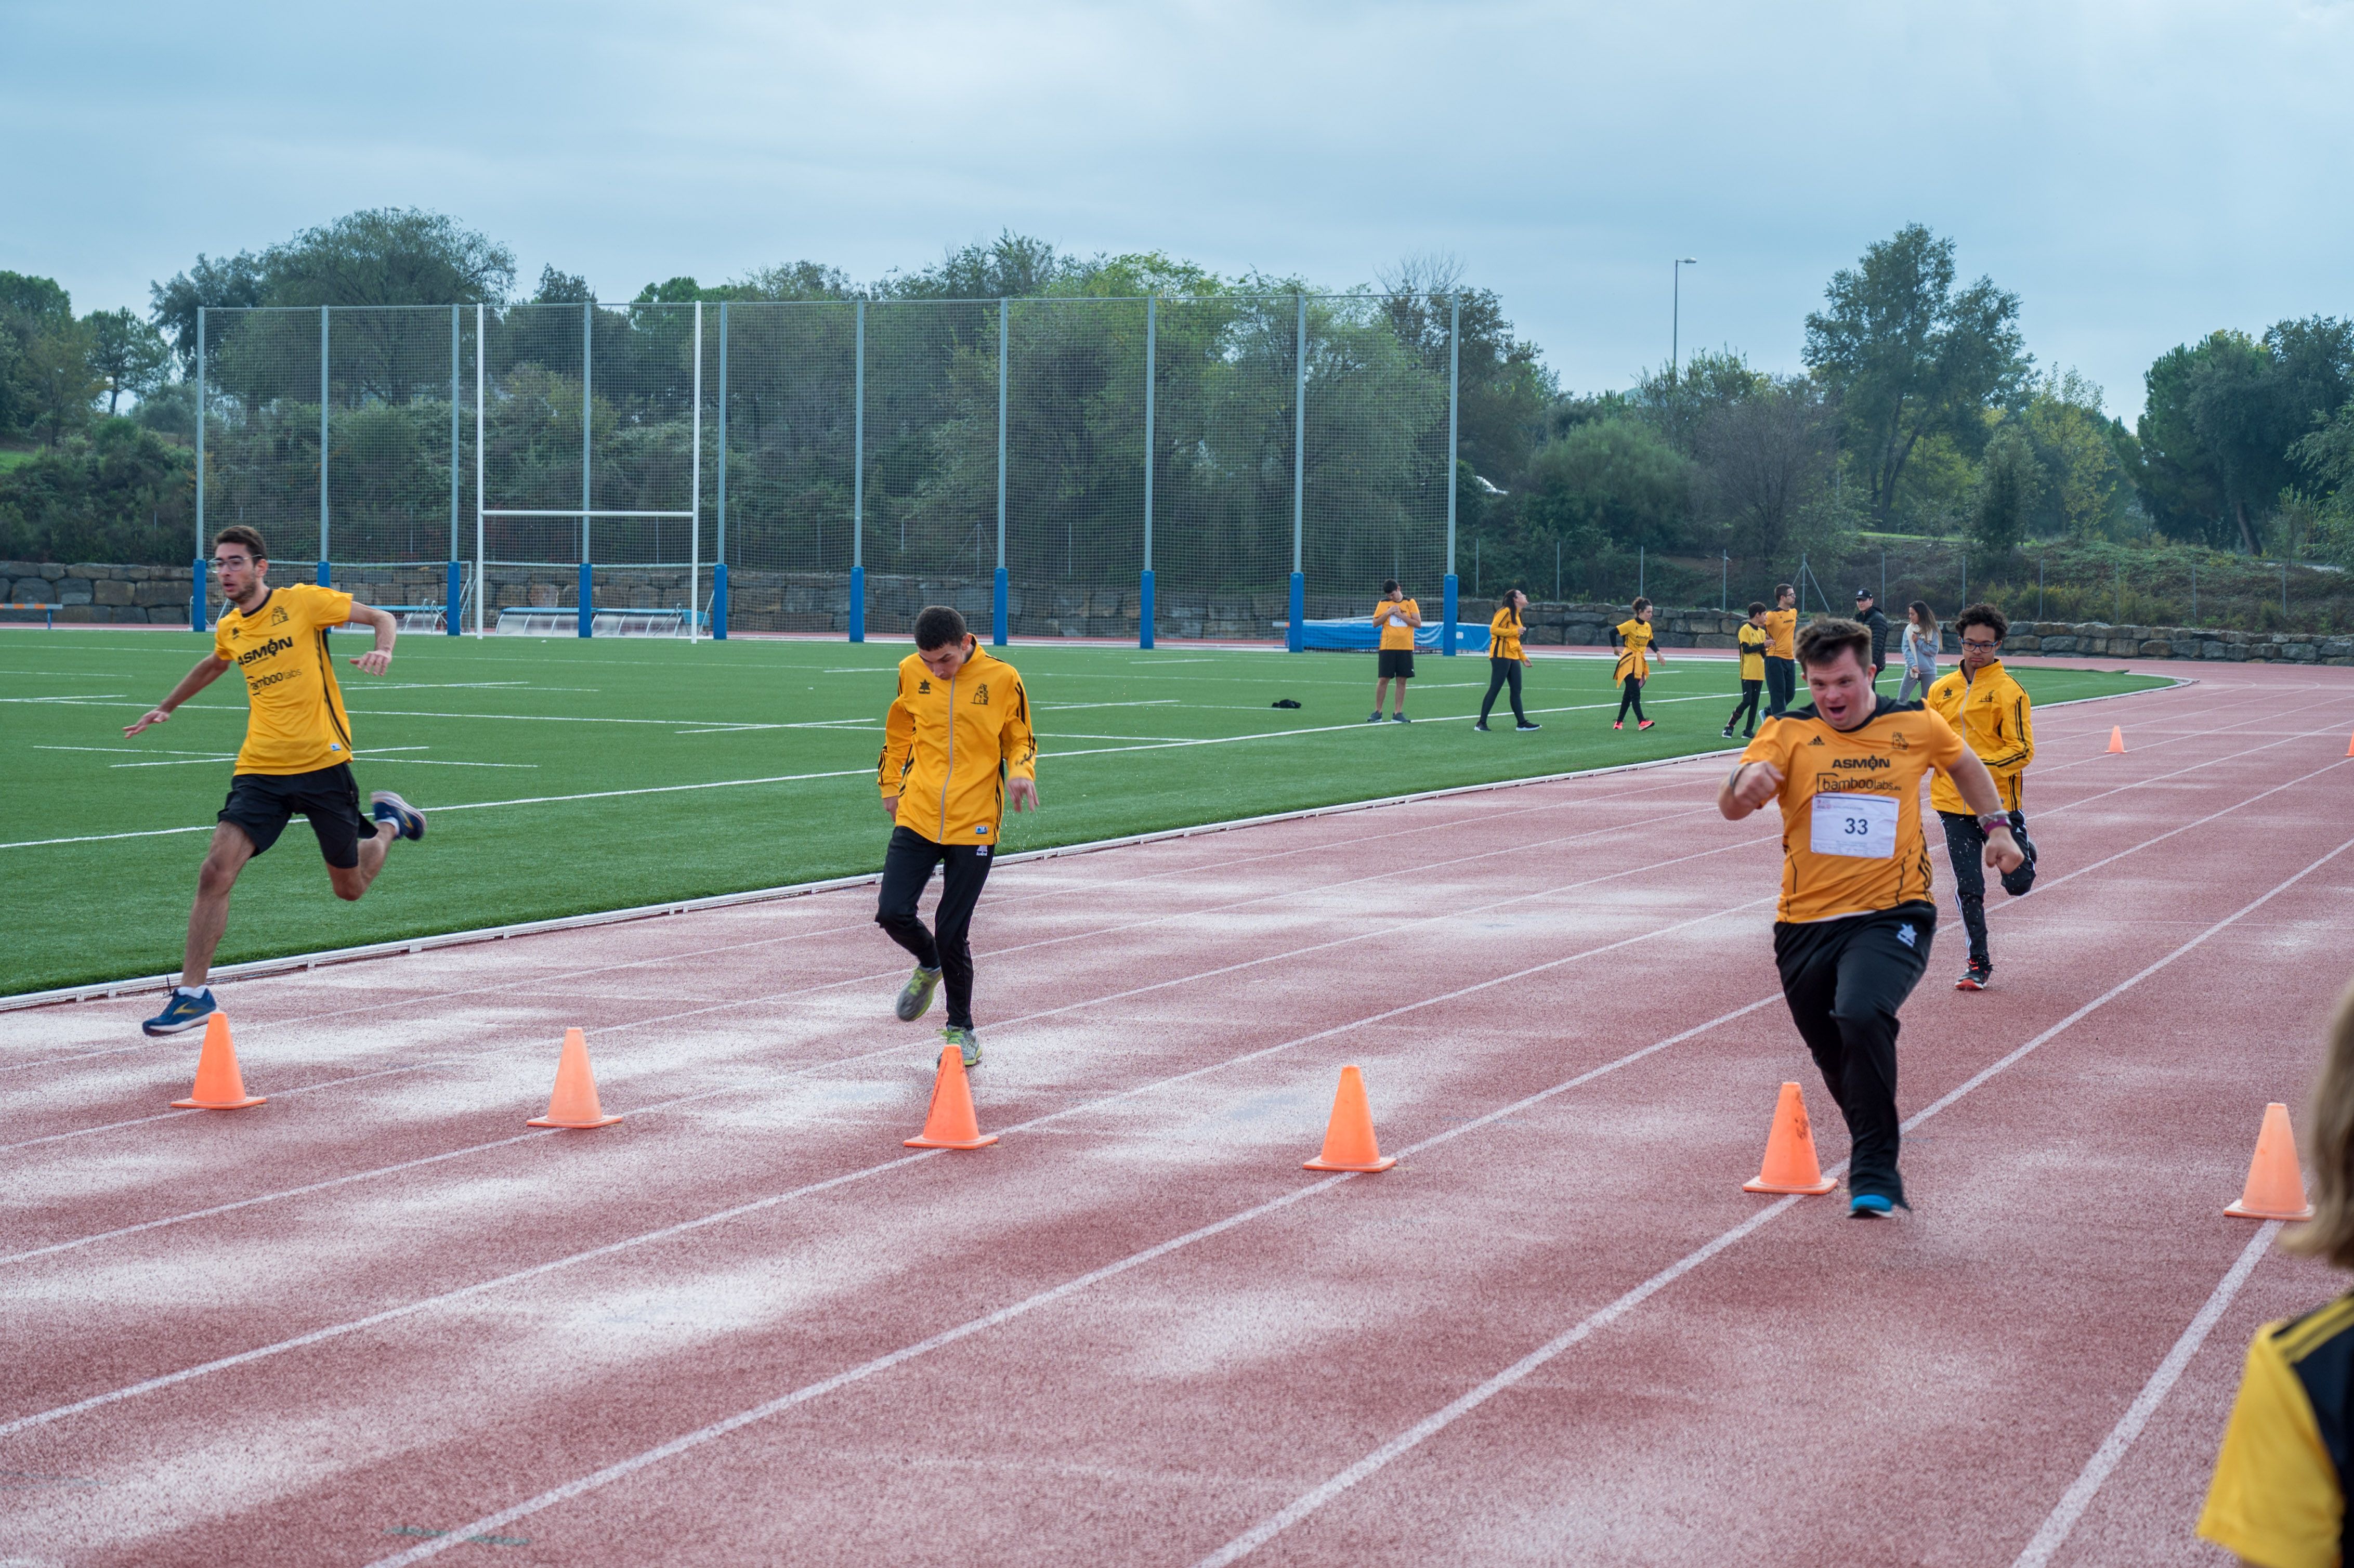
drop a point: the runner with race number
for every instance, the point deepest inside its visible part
(1851, 932)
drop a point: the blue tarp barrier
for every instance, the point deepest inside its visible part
(1363, 636)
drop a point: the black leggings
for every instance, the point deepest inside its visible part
(1631, 691)
(906, 866)
(1747, 705)
(1502, 673)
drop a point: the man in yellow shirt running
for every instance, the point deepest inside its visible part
(1992, 714)
(297, 756)
(957, 746)
(1397, 616)
(1853, 929)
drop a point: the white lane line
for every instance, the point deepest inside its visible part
(2111, 1451)
(1316, 1498)
(82, 697)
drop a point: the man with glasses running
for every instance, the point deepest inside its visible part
(1992, 714)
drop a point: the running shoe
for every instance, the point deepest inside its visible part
(1482, 725)
(387, 807)
(1400, 718)
(1375, 717)
(1869, 1206)
(915, 996)
(1728, 731)
(965, 1041)
(1618, 724)
(1975, 977)
(1645, 724)
(1525, 725)
(182, 1012)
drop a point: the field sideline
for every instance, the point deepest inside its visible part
(567, 776)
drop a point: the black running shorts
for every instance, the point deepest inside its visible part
(261, 804)
(1397, 662)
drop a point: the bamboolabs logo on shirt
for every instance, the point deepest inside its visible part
(263, 650)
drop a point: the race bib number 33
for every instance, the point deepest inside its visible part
(1863, 826)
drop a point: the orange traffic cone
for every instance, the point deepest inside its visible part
(2276, 1189)
(574, 1102)
(2117, 737)
(1790, 1163)
(2350, 745)
(1349, 1143)
(220, 1085)
(950, 1124)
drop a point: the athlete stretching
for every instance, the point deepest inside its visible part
(1851, 932)
(297, 756)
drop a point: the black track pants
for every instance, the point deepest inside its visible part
(1747, 705)
(1630, 693)
(1844, 980)
(1781, 685)
(1502, 673)
(906, 866)
(1966, 847)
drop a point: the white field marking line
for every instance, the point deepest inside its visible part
(1173, 661)
(81, 697)
(419, 762)
(274, 1093)
(143, 751)
(1438, 1421)
(2111, 1451)
(335, 1330)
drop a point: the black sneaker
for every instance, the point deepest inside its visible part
(1482, 725)
(1728, 731)
(1975, 977)
(1525, 725)
(1400, 718)
(1375, 716)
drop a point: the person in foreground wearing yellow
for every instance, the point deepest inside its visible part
(957, 745)
(297, 756)
(1632, 637)
(1506, 657)
(2278, 1499)
(1992, 714)
(1851, 932)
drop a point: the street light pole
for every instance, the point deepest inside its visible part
(1675, 316)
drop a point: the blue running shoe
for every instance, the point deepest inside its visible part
(387, 807)
(1869, 1206)
(182, 1012)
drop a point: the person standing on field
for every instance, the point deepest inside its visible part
(957, 747)
(297, 756)
(1506, 657)
(1397, 616)
(1632, 638)
(1994, 715)
(1852, 928)
(1751, 640)
(1868, 616)
(1922, 635)
(1781, 663)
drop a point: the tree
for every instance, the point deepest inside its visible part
(1612, 481)
(126, 354)
(1911, 356)
(234, 282)
(1504, 386)
(1766, 463)
(2221, 418)
(1680, 404)
(36, 324)
(2075, 448)
(2011, 482)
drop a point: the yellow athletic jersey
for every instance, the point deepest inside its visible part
(949, 746)
(1504, 636)
(1995, 717)
(1395, 631)
(1753, 652)
(2278, 1497)
(1781, 634)
(1634, 638)
(1851, 803)
(297, 724)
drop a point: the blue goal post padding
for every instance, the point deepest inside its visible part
(1363, 636)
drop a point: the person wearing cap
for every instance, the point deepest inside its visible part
(1868, 616)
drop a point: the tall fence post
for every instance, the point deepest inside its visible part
(1724, 582)
(719, 547)
(323, 446)
(997, 612)
(481, 578)
(858, 473)
(588, 426)
(1642, 573)
(454, 601)
(1144, 583)
(197, 590)
(694, 484)
(2194, 589)
(1454, 368)
(1296, 635)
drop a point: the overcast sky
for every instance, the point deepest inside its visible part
(2140, 174)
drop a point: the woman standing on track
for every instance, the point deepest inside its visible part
(1921, 638)
(1506, 657)
(2279, 1491)
(1632, 638)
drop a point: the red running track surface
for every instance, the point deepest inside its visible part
(378, 1318)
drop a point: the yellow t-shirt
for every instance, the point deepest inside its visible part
(1839, 859)
(1781, 634)
(1753, 652)
(1396, 633)
(1504, 636)
(2277, 1498)
(1635, 637)
(297, 724)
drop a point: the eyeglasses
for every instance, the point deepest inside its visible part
(1981, 647)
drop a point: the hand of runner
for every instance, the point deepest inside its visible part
(373, 662)
(1024, 793)
(891, 807)
(2002, 851)
(1759, 782)
(153, 716)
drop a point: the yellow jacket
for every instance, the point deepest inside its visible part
(949, 746)
(1504, 636)
(1996, 720)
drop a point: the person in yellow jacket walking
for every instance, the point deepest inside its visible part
(1506, 657)
(1992, 714)
(957, 746)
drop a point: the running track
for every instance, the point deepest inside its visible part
(377, 1320)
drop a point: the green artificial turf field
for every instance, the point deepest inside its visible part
(567, 775)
